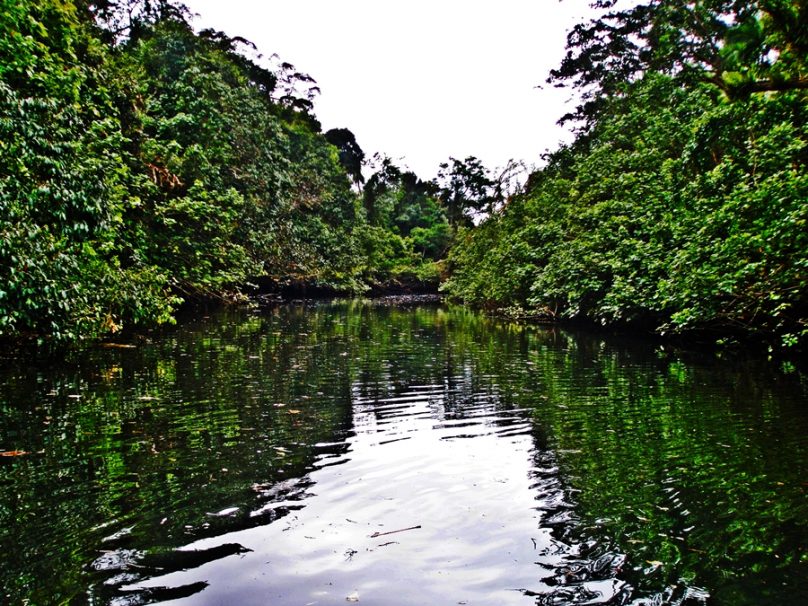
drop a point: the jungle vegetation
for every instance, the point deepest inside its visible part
(143, 164)
(681, 205)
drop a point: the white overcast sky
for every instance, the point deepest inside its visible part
(421, 80)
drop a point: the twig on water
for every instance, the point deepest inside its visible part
(380, 534)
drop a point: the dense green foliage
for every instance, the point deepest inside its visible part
(683, 202)
(407, 226)
(61, 267)
(143, 164)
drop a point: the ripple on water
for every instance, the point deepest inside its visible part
(413, 506)
(307, 455)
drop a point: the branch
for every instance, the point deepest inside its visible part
(762, 86)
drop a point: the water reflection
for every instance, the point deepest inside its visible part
(315, 453)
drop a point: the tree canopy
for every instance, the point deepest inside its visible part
(143, 164)
(682, 204)
(351, 155)
(739, 46)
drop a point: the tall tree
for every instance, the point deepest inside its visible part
(351, 155)
(740, 46)
(466, 188)
(122, 20)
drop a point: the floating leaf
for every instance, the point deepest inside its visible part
(13, 453)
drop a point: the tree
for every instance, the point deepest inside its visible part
(351, 155)
(122, 20)
(465, 189)
(376, 198)
(739, 46)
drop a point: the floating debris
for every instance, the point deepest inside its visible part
(14, 453)
(380, 534)
(224, 512)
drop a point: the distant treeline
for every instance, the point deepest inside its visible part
(143, 164)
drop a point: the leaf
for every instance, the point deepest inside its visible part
(14, 453)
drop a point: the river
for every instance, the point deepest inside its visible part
(359, 451)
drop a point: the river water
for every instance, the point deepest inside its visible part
(360, 452)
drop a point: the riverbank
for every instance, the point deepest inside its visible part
(719, 340)
(715, 343)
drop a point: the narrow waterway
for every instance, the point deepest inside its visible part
(338, 452)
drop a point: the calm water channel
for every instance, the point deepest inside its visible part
(334, 452)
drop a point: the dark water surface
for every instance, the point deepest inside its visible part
(323, 454)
